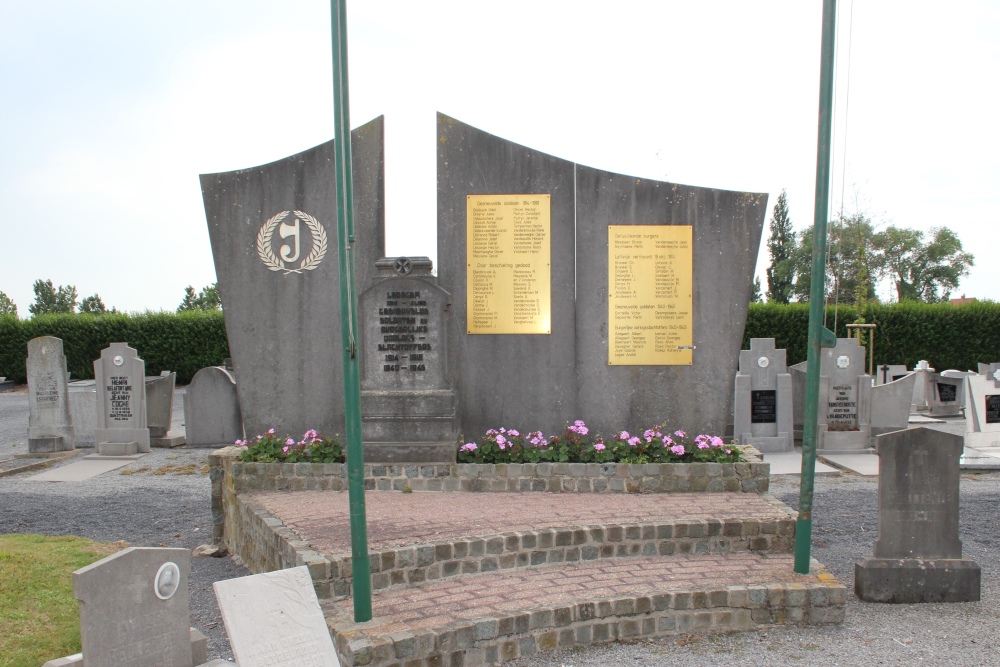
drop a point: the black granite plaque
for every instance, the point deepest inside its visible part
(993, 409)
(947, 393)
(899, 377)
(763, 406)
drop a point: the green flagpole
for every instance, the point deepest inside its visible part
(361, 582)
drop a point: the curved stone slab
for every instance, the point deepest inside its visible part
(280, 283)
(211, 409)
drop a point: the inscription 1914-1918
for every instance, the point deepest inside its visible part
(120, 398)
(763, 406)
(993, 409)
(403, 323)
(947, 393)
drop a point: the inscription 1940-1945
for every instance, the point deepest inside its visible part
(120, 398)
(763, 406)
(403, 324)
(993, 409)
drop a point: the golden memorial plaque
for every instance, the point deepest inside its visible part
(508, 285)
(650, 277)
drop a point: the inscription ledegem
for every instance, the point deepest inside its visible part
(403, 324)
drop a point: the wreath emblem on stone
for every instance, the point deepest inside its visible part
(275, 263)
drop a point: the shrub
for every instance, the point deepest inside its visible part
(312, 448)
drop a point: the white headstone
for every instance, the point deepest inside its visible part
(982, 410)
(844, 398)
(762, 412)
(121, 401)
(274, 620)
(50, 426)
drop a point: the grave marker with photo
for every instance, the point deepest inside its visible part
(120, 376)
(762, 412)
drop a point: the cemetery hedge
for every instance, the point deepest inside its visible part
(180, 342)
(947, 336)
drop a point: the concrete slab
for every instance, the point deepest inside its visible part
(790, 463)
(975, 459)
(920, 419)
(863, 464)
(81, 470)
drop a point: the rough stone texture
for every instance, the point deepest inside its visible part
(284, 327)
(160, 403)
(503, 379)
(890, 403)
(982, 411)
(727, 231)
(762, 369)
(123, 620)
(407, 398)
(274, 620)
(120, 376)
(50, 426)
(212, 409)
(918, 555)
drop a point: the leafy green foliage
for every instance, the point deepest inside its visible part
(49, 299)
(207, 299)
(312, 448)
(93, 305)
(7, 305)
(755, 296)
(923, 271)
(854, 264)
(781, 247)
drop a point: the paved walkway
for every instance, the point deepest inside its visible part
(397, 519)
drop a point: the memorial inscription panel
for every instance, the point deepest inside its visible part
(947, 392)
(403, 331)
(842, 413)
(508, 271)
(763, 406)
(650, 296)
(993, 409)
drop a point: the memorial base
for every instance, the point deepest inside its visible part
(769, 445)
(138, 435)
(411, 452)
(117, 448)
(842, 442)
(981, 439)
(911, 580)
(48, 444)
(199, 655)
(167, 441)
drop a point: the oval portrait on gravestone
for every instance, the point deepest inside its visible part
(118, 360)
(763, 362)
(843, 361)
(298, 246)
(168, 578)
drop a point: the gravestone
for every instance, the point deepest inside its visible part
(945, 395)
(890, 406)
(762, 406)
(274, 620)
(83, 410)
(273, 230)
(984, 369)
(922, 389)
(407, 399)
(211, 409)
(134, 611)
(887, 373)
(120, 376)
(50, 425)
(562, 370)
(160, 410)
(982, 409)
(844, 422)
(918, 555)
(960, 375)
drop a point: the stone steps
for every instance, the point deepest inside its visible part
(485, 619)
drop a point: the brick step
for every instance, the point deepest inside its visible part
(485, 619)
(419, 537)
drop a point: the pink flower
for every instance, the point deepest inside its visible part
(678, 450)
(648, 434)
(513, 433)
(716, 441)
(624, 435)
(579, 428)
(668, 441)
(290, 441)
(285, 449)
(469, 447)
(309, 435)
(503, 430)
(703, 445)
(492, 431)
(270, 431)
(633, 441)
(502, 441)
(729, 451)
(679, 433)
(599, 446)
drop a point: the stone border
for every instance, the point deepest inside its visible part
(492, 640)
(50, 458)
(262, 543)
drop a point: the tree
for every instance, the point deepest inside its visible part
(206, 299)
(854, 263)
(781, 247)
(7, 305)
(923, 271)
(755, 296)
(93, 305)
(48, 299)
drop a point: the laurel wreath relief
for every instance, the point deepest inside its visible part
(312, 260)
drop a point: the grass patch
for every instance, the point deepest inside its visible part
(38, 613)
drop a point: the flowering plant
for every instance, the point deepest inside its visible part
(577, 445)
(312, 448)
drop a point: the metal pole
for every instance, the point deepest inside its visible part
(361, 580)
(819, 335)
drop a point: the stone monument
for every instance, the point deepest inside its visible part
(160, 410)
(890, 405)
(887, 373)
(982, 410)
(134, 611)
(407, 398)
(923, 372)
(945, 395)
(274, 620)
(918, 556)
(274, 242)
(50, 426)
(212, 409)
(120, 376)
(762, 412)
(844, 423)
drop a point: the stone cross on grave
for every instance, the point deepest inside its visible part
(762, 406)
(982, 409)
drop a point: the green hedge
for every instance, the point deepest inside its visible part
(184, 342)
(947, 336)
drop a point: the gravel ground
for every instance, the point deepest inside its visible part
(147, 509)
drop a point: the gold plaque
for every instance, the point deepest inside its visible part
(650, 276)
(508, 271)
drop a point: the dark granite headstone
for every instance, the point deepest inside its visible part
(274, 241)
(918, 555)
(407, 400)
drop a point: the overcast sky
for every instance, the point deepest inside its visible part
(110, 110)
